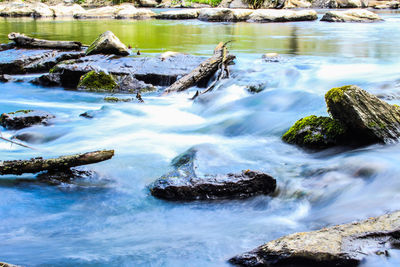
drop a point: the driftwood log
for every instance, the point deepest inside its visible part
(205, 70)
(25, 41)
(18, 167)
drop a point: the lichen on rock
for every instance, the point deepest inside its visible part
(316, 132)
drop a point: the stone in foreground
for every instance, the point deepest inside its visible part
(341, 245)
(108, 43)
(316, 133)
(366, 116)
(24, 118)
(184, 183)
(352, 15)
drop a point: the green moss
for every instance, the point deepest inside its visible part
(212, 3)
(313, 131)
(336, 94)
(255, 3)
(97, 81)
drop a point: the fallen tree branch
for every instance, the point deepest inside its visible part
(35, 165)
(25, 41)
(206, 69)
(16, 143)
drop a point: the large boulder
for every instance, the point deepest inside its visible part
(316, 133)
(97, 13)
(24, 118)
(179, 14)
(273, 15)
(20, 61)
(352, 15)
(61, 10)
(41, 10)
(131, 12)
(16, 9)
(157, 71)
(352, 3)
(297, 4)
(107, 43)
(364, 114)
(185, 183)
(341, 245)
(148, 3)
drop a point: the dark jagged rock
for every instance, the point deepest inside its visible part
(51, 79)
(5, 78)
(21, 61)
(366, 116)
(184, 183)
(149, 70)
(316, 133)
(108, 43)
(24, 118)
(341, 245)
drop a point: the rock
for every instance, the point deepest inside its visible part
(41, 10)
(316, 133)
(352, 3)
(341, 245)
(90, 114)
(297, 4)
(107, 43)
(150, 70)
(148, 3)
(5, 78)
(273, 15)
(134, 13)
(224, 14)
(4, 264)
(97, 81)
(233, 4)
(255, 88)
(113, 99)
(20, 61)
(353, 15)
(16, 9)
(184, 183)
(49, 80)
(366, 116)
(271, 57)
(24, 118)
(65, 176)
(127, 83)
(97, 13)
(179, 14)
(386, 5)
(61, 10)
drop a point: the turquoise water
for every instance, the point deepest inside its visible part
(113, 221)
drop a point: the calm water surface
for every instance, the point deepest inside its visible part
(113, 220)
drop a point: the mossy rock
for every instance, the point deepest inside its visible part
(369, 118)
(316, 132)
(97, 81)
(113, 99)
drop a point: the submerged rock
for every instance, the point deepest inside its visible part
(341, 245)
(179, 14)
(271, 57)
(24, 118)
(113, 99)
(107, 43)
(21, 61)
(184, 183)
(274, 15)
(65, 176)
(366, 116)
(352, 15)
(316, 133)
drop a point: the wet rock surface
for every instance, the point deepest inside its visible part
(179, 14)
(364, 114)
(65, 176)
(21, 61)
(24, 118)
(352, 15)
(271, 15)
(341, 245)
(184, 183)
(155, 71)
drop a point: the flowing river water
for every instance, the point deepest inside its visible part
(114, 221)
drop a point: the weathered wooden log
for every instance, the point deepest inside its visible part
(205, 70)
(25, 41)
(35, 165)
